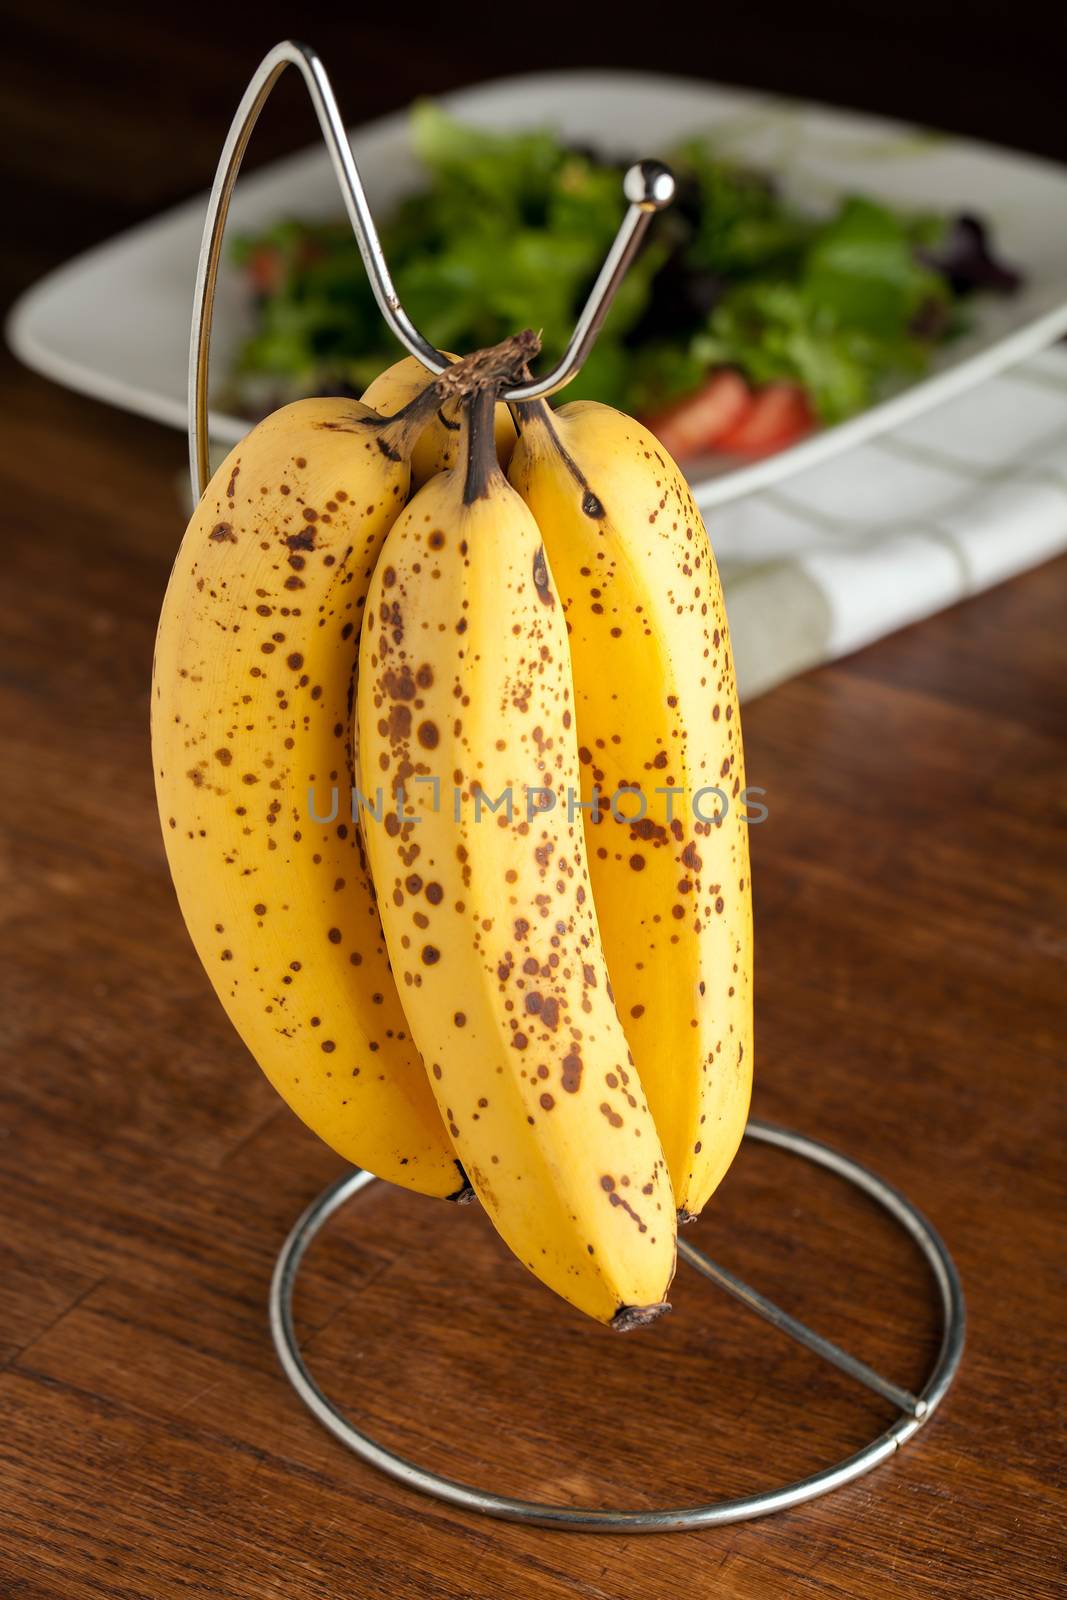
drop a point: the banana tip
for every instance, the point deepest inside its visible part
(629, 1317)
(465, 1193)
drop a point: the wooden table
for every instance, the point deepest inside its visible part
(910, 893)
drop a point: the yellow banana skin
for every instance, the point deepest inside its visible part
(465, 679)
(438, 446)
(251, 708)
(656, 706)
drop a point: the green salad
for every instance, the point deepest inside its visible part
(511, 229)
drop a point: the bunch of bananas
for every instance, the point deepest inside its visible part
(451, 787)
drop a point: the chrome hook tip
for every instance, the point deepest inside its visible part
(650, 185)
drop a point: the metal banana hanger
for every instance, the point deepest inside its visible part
(648, 186)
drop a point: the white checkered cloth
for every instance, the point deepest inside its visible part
(947, 505)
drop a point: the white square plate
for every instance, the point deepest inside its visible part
(114, 323)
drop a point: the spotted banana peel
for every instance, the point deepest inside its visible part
(465, 695)
(655, 701)
(251, 730)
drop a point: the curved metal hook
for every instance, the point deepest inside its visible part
(648, 186)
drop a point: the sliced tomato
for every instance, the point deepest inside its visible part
(699, 421)
(778, 416)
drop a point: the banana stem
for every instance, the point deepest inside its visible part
(535, 417)
(498, 367)
(397, 434)
(481, 465)
(477, 380)
(490, 371)
(529, 416)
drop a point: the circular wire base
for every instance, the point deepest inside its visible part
(919, 1408)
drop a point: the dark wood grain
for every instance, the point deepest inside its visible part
(911, 903)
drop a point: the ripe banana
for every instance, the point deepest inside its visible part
(465, 697)
(437, 447)
(656, 710)
(251, 717)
